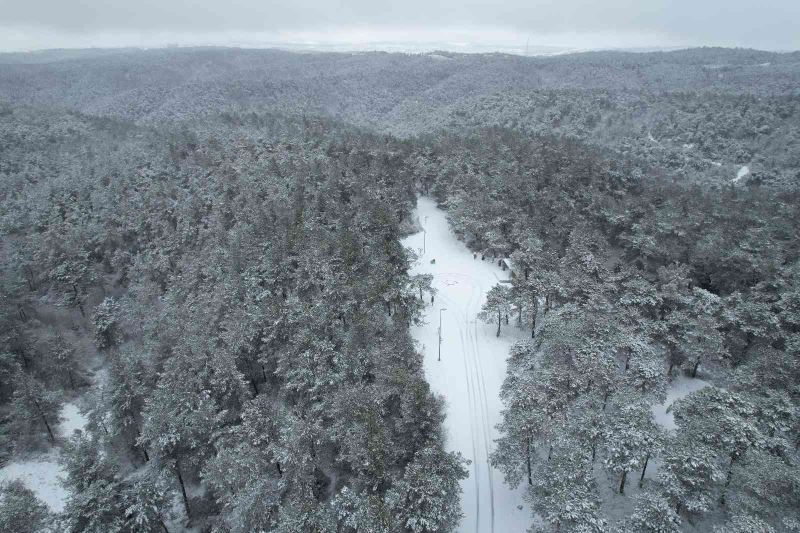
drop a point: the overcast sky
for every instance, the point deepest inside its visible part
(765, 24)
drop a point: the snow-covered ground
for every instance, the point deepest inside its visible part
(679, 387)
(42, 473)
(471, 371)
(744, 171)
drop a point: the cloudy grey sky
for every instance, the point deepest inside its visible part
(766, 24)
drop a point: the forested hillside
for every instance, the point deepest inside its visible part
(626, 283)
(237, 310)
(201, 249)
(701, 113)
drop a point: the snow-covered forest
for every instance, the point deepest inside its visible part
(254, 290)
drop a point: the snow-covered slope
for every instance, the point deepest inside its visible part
(42, 473)
(680, 387)
(471, 371)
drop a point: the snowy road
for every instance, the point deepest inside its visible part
(471, 371)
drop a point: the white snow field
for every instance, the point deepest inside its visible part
(744, 171)
(471, 371)
(42, 473)
(680, 387)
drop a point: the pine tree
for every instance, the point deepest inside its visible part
(149, 497)
(742, 523)
(97, 500)
(689, 474)
(426, 498)
(524, 420)
(21, 511)
(104, 319)
(723, 421)
(65, 362)
(361, 511)
(497, 306)
(631, 439)
(178, 422)
(653, 514)
(34, 408)
(564, 492)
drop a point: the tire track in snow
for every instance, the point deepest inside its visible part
(471, 399)
(487, 425)
(478, 398)
(458, 266)
(474, 393)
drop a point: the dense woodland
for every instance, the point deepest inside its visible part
(202, 247)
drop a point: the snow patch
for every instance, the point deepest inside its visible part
(744, 171)
(71, 420)
(43, 473)
(680, 387)
(42, 476)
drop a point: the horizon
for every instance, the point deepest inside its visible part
(399, 47)
(413, 24)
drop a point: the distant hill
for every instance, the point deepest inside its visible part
(656, 105)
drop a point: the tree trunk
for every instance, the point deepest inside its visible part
(644, 469)
(622, 482)
(727, 481)
(44, 419)
(499, 321)
(49, 431)
(694, 368)
(528, 461)
(77, 299)
(669, 370)
(163, 526)
(183, 490)
(29, 277)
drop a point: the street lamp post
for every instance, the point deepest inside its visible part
(440, 332)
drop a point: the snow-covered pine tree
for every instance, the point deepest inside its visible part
(21, 511)
(631, 439)
(653, 514)
(33, 408)
(497, 306)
